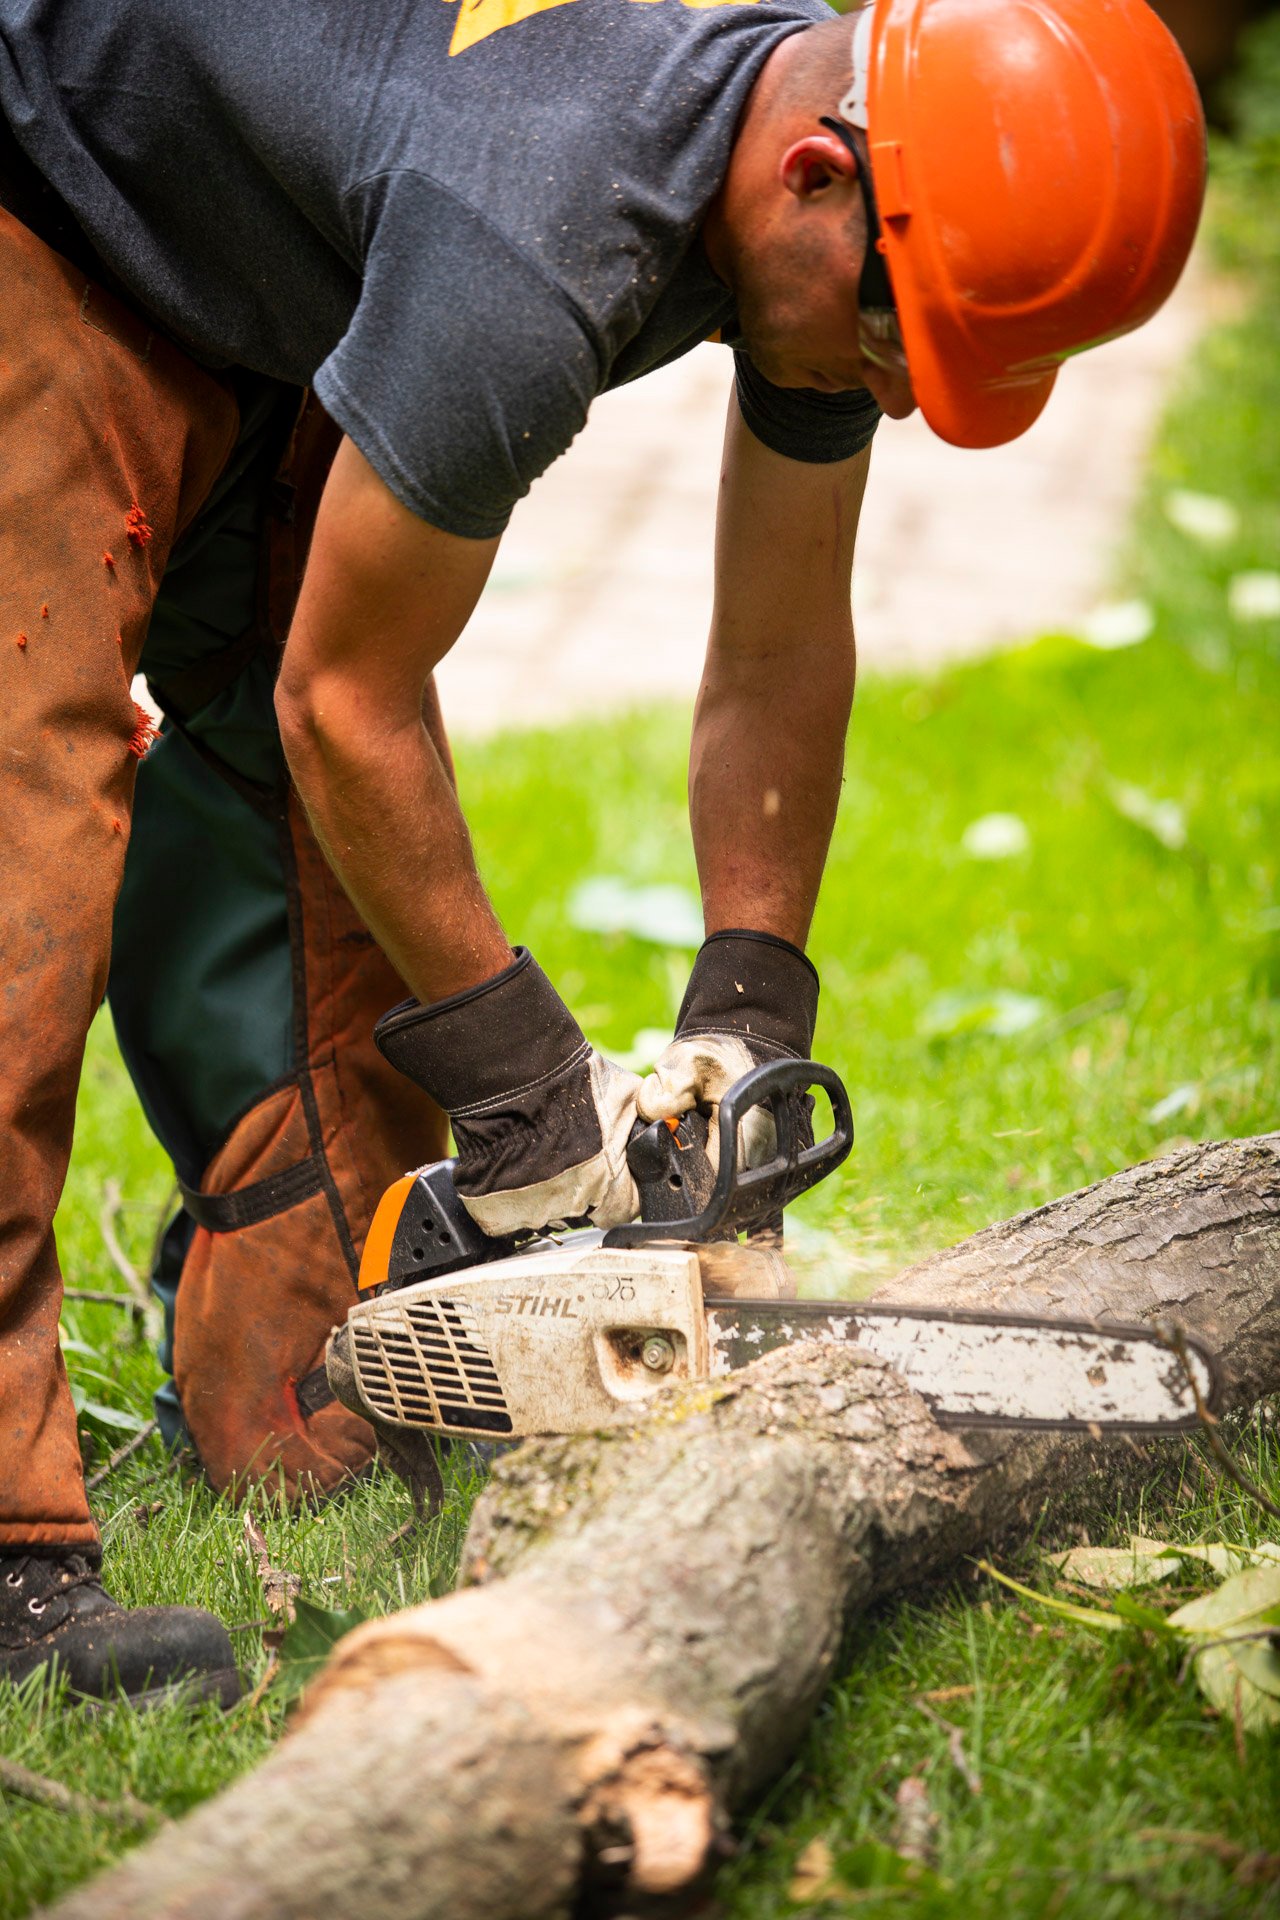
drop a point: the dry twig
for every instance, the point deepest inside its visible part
(1252, 1866)
(121, 1454)
(101, 1298)
(955, 1746)
(112, 1207)
(139, 1288)
(126, 1811)
(269, 1673)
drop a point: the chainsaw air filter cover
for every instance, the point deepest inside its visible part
(547, 1342)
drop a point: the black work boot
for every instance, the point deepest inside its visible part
(53, 1607)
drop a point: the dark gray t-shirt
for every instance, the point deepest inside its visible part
(459, 220)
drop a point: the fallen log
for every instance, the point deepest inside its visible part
(649, 1614)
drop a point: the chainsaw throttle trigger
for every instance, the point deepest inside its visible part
(671, 1168)
(679, 1198)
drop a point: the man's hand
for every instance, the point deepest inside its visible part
(384, 598)
(540, 1121)
(751, 998)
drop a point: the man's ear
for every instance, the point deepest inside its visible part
(811, 166)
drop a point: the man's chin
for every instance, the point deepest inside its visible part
(784, 372)
(779, 372)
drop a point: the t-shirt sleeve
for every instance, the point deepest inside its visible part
(464, 372)
(802, 423)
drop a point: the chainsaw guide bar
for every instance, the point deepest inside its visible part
(989, 1369)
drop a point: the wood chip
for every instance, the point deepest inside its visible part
(915, 1823)
(279, 1587)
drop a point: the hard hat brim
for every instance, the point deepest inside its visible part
(956, 393)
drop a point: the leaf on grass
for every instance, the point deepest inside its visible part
(279, 1587)
(813, 1877)
(872, 1864)
(1215, 1554)
(950, 1016)
(1134, 1614)
(1178, 1100)
(1243, 1671)
(1164, 820)
(1205, 517)
(1254, 596)
(1247, 1599)
(1145, 1561)
(116, 1418)
(995, 836)
(69, 1344)
(1119, 623)
(869, 1865)
(308, 1642)
(1095, 1617)
(666, 915)
(1140, 1564)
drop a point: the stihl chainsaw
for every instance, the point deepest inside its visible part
(460, 1334)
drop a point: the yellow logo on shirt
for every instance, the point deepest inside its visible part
(477, 19)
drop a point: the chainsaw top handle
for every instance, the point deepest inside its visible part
(680, 1199)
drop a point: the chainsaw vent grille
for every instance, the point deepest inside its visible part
(426, 1364)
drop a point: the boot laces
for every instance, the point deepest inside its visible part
(72, 1570)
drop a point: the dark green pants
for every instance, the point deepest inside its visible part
(244, 990)
(201, 986)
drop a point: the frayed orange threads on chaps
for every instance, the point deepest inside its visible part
(145, 731)
(21, 643)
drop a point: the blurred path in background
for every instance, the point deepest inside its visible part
(601, 594)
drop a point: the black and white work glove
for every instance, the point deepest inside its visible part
(540, 1121)
(751, 998)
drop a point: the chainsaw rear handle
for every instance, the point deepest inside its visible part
(679, 1199)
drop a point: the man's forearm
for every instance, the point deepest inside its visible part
(384, 598)
(764, 780)
(384, 809)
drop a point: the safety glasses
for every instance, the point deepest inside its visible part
(879, 334)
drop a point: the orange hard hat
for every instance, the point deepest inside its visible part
(1038, 169)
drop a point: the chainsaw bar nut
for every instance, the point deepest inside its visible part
(658, 1353)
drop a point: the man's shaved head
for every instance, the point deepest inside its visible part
(788, 230)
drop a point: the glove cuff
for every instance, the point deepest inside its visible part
(504, 1037)
(756, 985)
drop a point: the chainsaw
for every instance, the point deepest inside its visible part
(460, 1334)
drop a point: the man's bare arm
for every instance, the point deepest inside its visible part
(384, 598)
(769, 729)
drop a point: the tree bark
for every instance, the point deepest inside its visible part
(649, 1614)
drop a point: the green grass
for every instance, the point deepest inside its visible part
(1147, 979)
(1085, 1750)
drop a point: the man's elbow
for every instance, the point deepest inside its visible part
(319, 727)
(297, 719)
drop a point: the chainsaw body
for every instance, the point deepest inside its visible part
(465, 1334)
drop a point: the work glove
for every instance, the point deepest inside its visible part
(540, 1121)
(751, 997)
